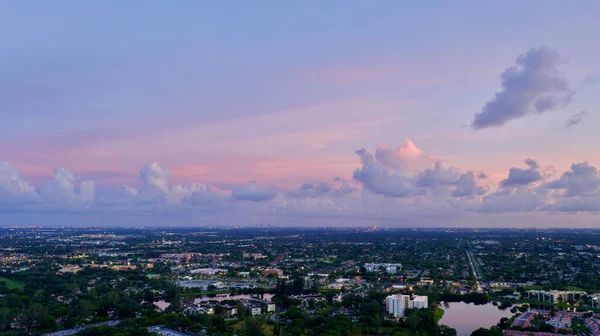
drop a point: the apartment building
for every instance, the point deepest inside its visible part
(555, 296)
(398, 304)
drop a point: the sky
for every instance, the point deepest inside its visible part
(305, 113)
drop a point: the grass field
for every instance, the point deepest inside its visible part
(12, 284)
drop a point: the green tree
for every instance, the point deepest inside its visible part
(34, 313)
(494, 331)
(126, 308)
(447, 331)
(241, 310)
(253, 327)
(14, 301)
(38, 296)
(48, 322)
(6, 316)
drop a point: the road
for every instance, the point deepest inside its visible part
(75, 330)
(479, 277)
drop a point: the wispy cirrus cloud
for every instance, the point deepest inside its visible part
(575, 119)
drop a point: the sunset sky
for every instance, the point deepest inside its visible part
(289, 113)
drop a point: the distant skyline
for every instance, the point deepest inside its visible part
(312, 113)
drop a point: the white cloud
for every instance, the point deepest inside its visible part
(393, 181)
(66, 189)
(380, 179)
(12, 185)
(155, 178)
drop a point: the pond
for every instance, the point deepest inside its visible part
(466, 317)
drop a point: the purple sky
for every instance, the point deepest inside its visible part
(306, 113)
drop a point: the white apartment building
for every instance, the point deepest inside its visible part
(419, 302)
(270, 306)
(554, 296)
(391, 268)
(398, 304)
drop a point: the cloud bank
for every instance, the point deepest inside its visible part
(383, 187)
(534, 85)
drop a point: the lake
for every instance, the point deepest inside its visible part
(466, 317)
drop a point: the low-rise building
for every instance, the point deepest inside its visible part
(272, 271)
(199, 309)
(202, 284)
(208, 271)
(391, 268)
(229, 311)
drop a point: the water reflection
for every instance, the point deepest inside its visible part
(466, 317)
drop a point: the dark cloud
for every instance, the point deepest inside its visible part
(575, 119)
(519, 176)
(534, 84)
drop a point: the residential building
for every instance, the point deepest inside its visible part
(398, 304)
(229, 310)
(391, 268)
(198, 309)
(555, 296)
(272, 271)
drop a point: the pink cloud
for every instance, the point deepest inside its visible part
(406, 157)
